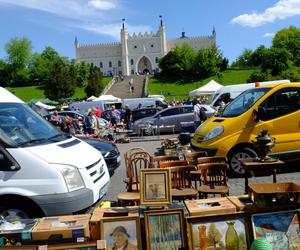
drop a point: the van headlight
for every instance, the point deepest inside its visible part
(214, 133)
(72, 177)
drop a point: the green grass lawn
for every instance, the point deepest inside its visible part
(33, 92)
(179, 91)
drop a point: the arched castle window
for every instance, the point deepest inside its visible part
(92, 64)
(119, 63)
(131, 62)
(101, 65)
(156, 59)
(135, 46)
(132, 72)
(110, 64)
(152, 45)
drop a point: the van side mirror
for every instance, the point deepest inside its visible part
(260, 114)
(7, 165)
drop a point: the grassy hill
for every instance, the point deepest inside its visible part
(33, 92)
(178, 90)
(172, 90)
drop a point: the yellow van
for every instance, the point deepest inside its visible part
(231, 133)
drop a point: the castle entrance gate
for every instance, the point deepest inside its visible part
(144, 65)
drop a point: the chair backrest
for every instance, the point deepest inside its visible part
(214, 174)
(127, 155)
(155, 160)
(192, 157)
(212, 159)
(167, 164)
(181, 177)
(137, 161)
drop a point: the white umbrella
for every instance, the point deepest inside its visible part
(91, 98)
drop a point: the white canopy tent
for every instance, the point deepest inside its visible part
(208, 89)
(45, 106)
(108, 98)
(91, 98)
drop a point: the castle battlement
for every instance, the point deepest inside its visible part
(142, 36)
(194, 38)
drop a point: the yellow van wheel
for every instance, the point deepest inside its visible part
(237, 154)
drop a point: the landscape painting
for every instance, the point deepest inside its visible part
(281, 229)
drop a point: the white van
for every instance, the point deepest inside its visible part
(146, 102)
(43, 171)
(102, 104)
(229, 92)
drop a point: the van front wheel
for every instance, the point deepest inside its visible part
(236, 155)
(13, 211)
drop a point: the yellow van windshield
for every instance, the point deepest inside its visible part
(243, 102)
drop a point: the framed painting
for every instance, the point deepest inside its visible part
(228, 231)
(281, 229)
(121, 233)
(155, 187)
(165, 229)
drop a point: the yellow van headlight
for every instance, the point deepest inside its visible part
(214, 133)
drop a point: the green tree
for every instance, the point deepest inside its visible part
(293, 74)
(244, 60)
(168, 64)
(94, 86)
(276, 60)
(214, 235)
(289, 39)
(19, 53)
(4, 73)
(83, 71)
(259, 76)
(42, 64)
(258, 55)
(60, 84)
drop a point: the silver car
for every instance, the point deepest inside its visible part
(170, 116)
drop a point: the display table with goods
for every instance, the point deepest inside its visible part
(270, 211)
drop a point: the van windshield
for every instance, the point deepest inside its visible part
(243, 102)
(20, 126)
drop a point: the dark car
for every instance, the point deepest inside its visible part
(144, 112)
(109, 151)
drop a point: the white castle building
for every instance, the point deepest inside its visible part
(137, 53)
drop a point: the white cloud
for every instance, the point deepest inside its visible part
(113, 30)
(80, 9)
(101, 5)
(281, 10)
(269, 34)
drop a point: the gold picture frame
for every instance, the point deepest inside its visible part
(229, 231)
(165, 229)
(155, 187)
(121, 232)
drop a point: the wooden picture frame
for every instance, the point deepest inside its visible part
(281, 229)
(121, 231)
(165, 229)
(155, 187)
(229, 231)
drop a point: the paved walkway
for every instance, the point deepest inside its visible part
(120, 88)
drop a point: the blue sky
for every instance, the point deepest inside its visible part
(239, 24)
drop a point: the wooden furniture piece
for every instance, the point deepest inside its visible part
(167, 164)
(262, 167)
(129, 198)
(192, 157)
(214, 179)
(181, 183)
(155, 160)
(197, 175)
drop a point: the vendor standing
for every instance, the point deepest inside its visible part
(115, 116)
(128, 117)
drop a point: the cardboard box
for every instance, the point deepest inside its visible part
(17, 233)
(113, 212)
(274, 194)
(70, 228)
(242, 202)
(210, 206)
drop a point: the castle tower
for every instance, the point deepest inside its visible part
(124, 49)
(163, 38)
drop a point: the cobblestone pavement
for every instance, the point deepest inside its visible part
(291, 171)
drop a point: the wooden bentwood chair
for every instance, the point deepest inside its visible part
(214, 179)
(181, 183)
(155, 160)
